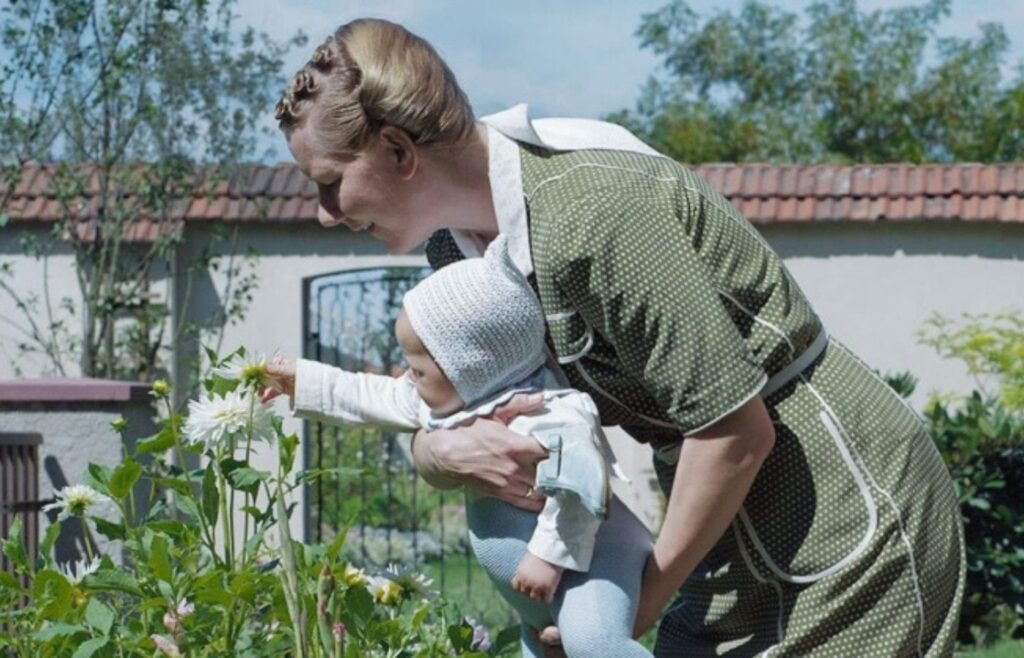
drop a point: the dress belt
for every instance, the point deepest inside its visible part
(669, 454)
(798, 365)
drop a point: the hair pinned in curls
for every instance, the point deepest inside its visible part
(303, 85)
(322, 56)
(371, 73)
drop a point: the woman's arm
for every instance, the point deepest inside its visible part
(485, 455)
(715, 471)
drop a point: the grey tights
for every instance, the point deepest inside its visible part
(594, 611)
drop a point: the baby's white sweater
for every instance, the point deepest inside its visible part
(565, 528)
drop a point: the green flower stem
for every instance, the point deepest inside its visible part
(182, 463)
(85, 538)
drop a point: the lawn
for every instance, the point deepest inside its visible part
(1006, 649)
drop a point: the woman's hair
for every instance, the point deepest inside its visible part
(368, 74)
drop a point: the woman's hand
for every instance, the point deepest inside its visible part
(282, 371)
(486, 456)
(716, 468)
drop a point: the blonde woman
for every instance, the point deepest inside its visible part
(809, 513)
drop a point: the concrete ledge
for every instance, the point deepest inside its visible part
(72, 390)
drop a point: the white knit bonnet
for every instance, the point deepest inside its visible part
(481, 322)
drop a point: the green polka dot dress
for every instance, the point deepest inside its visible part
(666, 306)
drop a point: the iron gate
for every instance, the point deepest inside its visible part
(391, 517)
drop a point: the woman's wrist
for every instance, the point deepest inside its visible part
(427, 464)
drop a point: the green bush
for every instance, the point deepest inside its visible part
(981, 438)
(983, 445)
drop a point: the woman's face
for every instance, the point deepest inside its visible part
(371, 190)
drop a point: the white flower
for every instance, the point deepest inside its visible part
(249, 371)
(76, 500)
(384, 590)
(79, 569)
(185, 609)
(410, 581)
(172, 618)
(211, 420)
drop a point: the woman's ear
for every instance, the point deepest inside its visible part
(400, 150)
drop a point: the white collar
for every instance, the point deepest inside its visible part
(504, 169)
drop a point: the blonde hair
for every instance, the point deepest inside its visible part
(368, 74)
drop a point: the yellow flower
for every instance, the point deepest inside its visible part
(354, 577)
(385, 591)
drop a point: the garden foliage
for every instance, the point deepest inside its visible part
(194, 584)
(981, 438)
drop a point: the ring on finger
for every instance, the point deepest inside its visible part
(529, 491)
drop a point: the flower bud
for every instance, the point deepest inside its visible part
(119, 424)
(160, 389)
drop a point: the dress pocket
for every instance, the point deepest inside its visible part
(810, 512)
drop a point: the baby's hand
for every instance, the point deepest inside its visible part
(282, 370)
(536, 578)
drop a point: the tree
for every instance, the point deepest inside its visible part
(838, 85)
(138, 103)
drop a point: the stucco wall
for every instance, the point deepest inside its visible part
(73, 435)
(873, 284)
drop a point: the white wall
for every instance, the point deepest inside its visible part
(873, 284)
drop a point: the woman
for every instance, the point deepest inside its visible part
(809, 513)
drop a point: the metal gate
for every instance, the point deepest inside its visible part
(391, 517)
(19, 490)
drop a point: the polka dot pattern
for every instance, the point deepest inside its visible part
(668, 308)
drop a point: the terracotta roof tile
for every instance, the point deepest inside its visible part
(766, 193)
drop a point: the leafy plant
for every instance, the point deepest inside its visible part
(194, 584)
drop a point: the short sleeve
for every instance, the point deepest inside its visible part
(630, 268)
(442, 250)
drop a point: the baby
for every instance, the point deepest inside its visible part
(473, 337)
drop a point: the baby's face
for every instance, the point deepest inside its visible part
(431, 383)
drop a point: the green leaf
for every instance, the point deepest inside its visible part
(52, 591)
(97, 477)
(124, 478)
(211, 496)
(8, 581)
(49, 539)
(99, 616)
(14, 545)
(188, 506)
(160, 559)
(289, 448)
(88, 648)
(461, 637)
(57, 629)
(248, 479)
(112, 531)
(159, 442)
(112, 580)
(506, 638)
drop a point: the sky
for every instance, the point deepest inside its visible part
(563, 57)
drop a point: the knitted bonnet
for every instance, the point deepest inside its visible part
(481, 322)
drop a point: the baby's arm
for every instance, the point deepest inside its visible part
(563, 539)
(333, 395)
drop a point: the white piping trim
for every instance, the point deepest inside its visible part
(757, 391)
(862, 545)
(573, 358)
(555, 317)
(761, 579)
(604, 393)
(596, 165)
(755, 318)
(899, 523)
